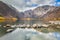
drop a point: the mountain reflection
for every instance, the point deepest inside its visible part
(28, 34)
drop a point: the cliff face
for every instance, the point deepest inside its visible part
(52, 15)
(48, 13)
(6, 11)
(40, 11)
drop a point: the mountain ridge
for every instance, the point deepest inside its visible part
(40, 12)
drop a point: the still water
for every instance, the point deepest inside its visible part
(31, 22)
(30, 34)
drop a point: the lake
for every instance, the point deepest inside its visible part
(30, 34)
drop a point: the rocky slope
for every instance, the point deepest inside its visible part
(45, 12)
(7, 11)
(52, 15)
(41, 10)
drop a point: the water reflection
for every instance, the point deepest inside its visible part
(30, 22)
(29, 34)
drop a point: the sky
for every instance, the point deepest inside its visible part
(57, 3)
(22, 5)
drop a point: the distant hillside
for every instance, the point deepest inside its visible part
(52, 15)
(39, 11)
(46, 13)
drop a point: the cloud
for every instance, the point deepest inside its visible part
(28, 4)
(58, 3)
(43, 2)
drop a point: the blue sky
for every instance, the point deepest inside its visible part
(57, 2)
(31, 4)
